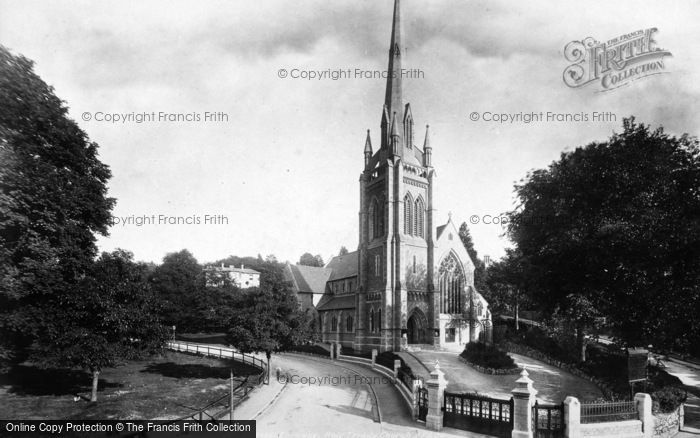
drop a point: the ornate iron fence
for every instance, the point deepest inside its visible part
(479, 414)
(422, 403)
(608, 411)
(548, 420)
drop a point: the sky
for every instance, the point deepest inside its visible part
(277, 168)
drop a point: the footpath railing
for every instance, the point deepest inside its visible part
(220, 352)
(222, 405)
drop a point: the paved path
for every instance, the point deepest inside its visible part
(552, 384)
(351, 401)
(690, 376)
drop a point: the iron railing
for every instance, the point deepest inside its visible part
(604, 412)
(548, 420)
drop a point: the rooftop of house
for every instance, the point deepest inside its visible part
(224, 268)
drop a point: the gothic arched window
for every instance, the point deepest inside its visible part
(420, 218)
(380, 220)
(408, 214)
(371, 320)
(451, 285)
(348, 324)
(334, 324)
(379, 320)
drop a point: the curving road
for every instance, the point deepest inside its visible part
(350, 401)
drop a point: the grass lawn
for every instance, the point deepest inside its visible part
(162, 387)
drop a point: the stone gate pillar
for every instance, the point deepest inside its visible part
(523, 400)
(572, 418)
(436, 390)
(644, 409)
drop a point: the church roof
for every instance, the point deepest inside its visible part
(343, 266)
(331, 302)
(440, 229)
(307, 278)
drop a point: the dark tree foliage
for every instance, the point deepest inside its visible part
(53, 200)
(343, 251)
(615, 227)
(507, 282)
(307, 259)
(269, 319)
(479, 267)
(179, 283)
(110, 317)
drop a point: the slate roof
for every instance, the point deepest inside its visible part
(309, 279)
(440, 229)
(343, 266)
(331, 302)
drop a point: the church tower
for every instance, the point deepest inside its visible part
(397, 233)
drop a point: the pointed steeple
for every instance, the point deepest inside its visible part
(426, 143)
(368, 144)
(427, 149)
(393, 100)
(368, 149)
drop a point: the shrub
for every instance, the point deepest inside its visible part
(487, 356)
(668, 399)
(310, 349)
(666, 390)
(387, 358)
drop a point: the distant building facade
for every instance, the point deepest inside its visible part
(242, 277)
(410, 281)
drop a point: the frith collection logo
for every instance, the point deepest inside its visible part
(614, 63)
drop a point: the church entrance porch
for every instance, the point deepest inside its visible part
(417, 328)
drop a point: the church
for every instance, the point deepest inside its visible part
(410, 282)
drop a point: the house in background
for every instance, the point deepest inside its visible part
(242, 277)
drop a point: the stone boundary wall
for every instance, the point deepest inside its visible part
(485, 370)
(667, 425)
(512, 347)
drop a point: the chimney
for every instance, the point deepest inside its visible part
(242, 266)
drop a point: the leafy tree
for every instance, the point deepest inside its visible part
(479, 267)
(179, 283)
(267, 320)
(307, 259)
(108, 318)
(615, 226)
(508, 284)
(343, 251)
(52, 203)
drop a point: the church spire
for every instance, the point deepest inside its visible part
(393, 100)
(427, 149)
(368, 149)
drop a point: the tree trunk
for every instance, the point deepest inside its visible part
(268, 354)
(95, 380)
(517, 315)
(581, 344)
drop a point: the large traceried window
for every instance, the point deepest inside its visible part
(450, 285)
(419, 228)
(408, 214)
